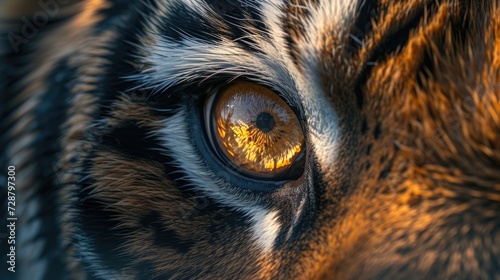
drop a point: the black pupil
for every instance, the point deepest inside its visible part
(265, 122)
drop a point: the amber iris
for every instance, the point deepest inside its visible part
(256, 130)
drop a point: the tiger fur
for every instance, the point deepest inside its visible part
(399, 102)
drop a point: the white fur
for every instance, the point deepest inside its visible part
(176, 138)
(329, 17)
(265, 228)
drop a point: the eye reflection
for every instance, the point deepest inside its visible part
(256, 130)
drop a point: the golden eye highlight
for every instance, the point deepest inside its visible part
(256, 130)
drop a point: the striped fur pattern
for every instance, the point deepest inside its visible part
(399, 101)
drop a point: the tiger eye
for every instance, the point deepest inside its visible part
(256, 130)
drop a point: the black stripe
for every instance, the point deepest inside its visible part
(183, 22)
(390, 45)
(163, 236)
(96, 223)
(133, 141)
(366, 13)
(123, 52)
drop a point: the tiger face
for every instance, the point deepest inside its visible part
(259, 139)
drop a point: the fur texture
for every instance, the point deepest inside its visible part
(102, 116)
